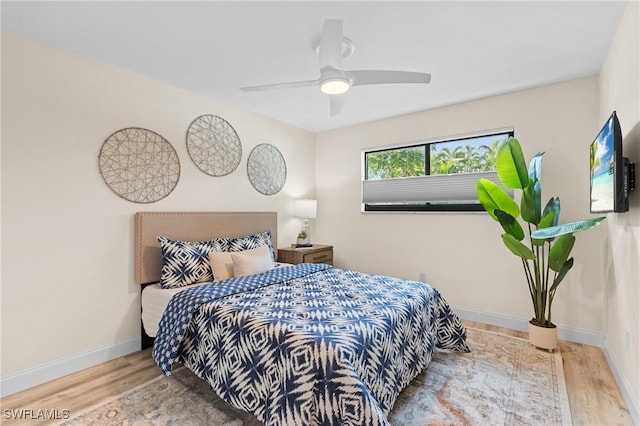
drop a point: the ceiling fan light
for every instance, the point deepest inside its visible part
(335, 86)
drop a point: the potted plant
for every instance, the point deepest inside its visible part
(303, 237)
(545, 253)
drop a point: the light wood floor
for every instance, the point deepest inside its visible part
(593, 393)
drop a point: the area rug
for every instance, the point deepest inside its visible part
(504, 380)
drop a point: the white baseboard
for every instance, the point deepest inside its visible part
(623, 383)
(506, 321)
(21, 380)
(570, 334)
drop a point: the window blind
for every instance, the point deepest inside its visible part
(454, 188)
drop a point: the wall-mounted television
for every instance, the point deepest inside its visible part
(611, 172)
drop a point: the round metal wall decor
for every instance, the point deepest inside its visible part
(266, 169)
(213, 145)
(139, 165)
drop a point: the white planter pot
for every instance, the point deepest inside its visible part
(543, 337)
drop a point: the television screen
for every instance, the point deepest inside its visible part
(607, 169)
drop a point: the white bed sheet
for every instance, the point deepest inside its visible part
(155, 300)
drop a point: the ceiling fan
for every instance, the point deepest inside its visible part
(335, 81)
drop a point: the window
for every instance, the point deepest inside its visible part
(405, 178)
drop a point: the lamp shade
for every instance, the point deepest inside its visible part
(306, 209)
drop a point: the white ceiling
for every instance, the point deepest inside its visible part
(473, 49)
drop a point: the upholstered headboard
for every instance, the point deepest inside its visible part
(191, 226)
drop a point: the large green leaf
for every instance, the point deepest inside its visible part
(493, 198)
(560, 251)
(517, 247)
(531, 204)
(567, 228)
(548, 219)
(563, 271)
(510, 225)
(511, 166)
(535, 167)
(552, 205)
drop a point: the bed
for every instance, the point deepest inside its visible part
(305, 344)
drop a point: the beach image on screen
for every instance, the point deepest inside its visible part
(602, 183)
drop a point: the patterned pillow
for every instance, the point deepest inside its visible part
(185, 262)
(249, 242)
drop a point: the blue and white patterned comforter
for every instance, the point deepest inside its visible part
(308, 344)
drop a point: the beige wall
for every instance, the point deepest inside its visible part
(462, 254)
(67, 239)
(619, 85)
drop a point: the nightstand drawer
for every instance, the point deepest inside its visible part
(315, 254)
(324, 256)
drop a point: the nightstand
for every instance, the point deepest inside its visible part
(314, 254)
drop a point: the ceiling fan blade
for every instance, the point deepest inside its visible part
(336, 102)
(330, 53)
(362, 77)
(292, 85)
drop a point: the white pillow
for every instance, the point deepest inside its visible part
(222, 263)
(251, 262)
